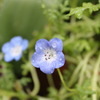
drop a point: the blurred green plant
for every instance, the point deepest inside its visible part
(76, 22)
(20, 17)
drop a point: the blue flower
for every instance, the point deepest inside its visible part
(48, 55)
(14, 48)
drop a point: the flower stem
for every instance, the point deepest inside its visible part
(50, 80)
(35, 81)
(63, 82)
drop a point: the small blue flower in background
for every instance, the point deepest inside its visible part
(14, 48)
(48, 55)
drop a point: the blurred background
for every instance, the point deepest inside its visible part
(77, 23)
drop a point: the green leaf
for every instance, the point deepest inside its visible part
(78, 11)
(25, 80)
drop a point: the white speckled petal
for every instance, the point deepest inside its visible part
(60, 61)
(41, 45)
(37, 59)
(56, 44)
(47, 68)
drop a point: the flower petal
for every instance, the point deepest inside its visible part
(37, 59)
(41, 45)
(60, 61)
(56, 44)
(24, 44)
(6, 47)
(8, 57)
(18, 57)
(47, 68)
(16, 40)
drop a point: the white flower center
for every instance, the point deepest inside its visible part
(16, 50)
(49, 55)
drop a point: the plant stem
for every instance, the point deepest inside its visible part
(12, 93)
(68, 95)
(50, 80)
(79, 67)
(35, 81)
(95, 78)
(75, 73)
(34, 78)
(63, 82)
(84, 67)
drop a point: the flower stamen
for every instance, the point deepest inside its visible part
(49, 55)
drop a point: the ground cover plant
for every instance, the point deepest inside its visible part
(49, 49)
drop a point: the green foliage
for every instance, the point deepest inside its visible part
(84, 92)
(77, 23)
(53, 93)
(78, 11)
(7, 77)
(24, 81)
(25, 69)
